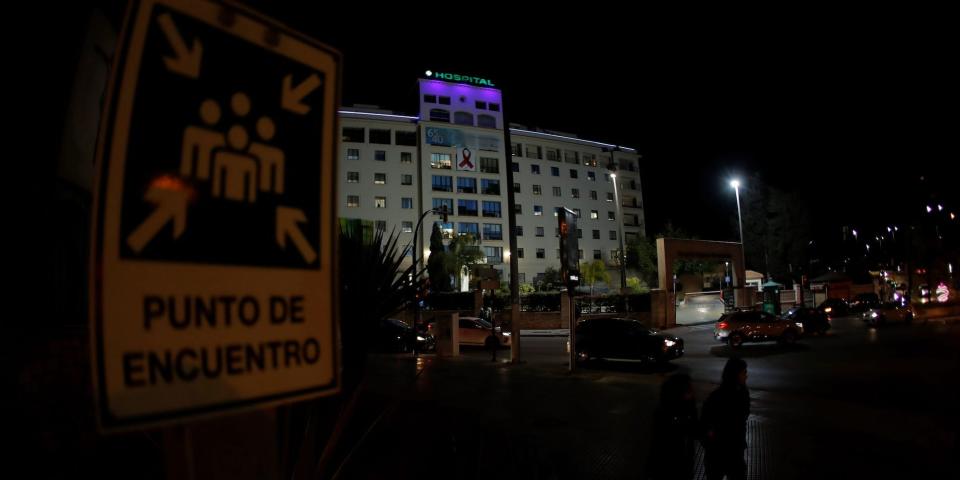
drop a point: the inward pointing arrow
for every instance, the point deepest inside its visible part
(187, 60)
(171, 206)
(287, 220)
(291, 98)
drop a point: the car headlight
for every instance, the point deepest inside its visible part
(421, 339)
(874, 314)
(506, 334)
(669, 343)
(828, 310)
(799, 324)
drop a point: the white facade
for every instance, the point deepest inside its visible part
(454, 153)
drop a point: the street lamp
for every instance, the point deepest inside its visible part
(743, 253)
(622, 257)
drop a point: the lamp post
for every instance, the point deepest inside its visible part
(622, 256)
(743, 255)
(416, 247)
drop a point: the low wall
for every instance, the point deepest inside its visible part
(932, 311)
(552, 320)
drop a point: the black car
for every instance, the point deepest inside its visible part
(835, 307)
(863, 302)
(395, 336)
(623, 338)
(813, 320)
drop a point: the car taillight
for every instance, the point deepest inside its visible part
(723, 325)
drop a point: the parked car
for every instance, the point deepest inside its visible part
(863, 302)
(395, 336)
(624, 338)
(473, 331)
(813, 320)
(753, 326)
(890, 312)
(835, 307)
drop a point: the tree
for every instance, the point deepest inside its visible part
(439, 278)
(369, 268)
(463, 252)
(526, 288)
(594, 272)
(637, 285)
(550, 280)
(776, 228)
(642, 257)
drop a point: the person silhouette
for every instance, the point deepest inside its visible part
(200, 142)
(235, 173)
(271, 158)
(724, 424)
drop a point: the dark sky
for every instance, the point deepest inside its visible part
(846, 113)
(848, 108)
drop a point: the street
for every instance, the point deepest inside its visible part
(857, 402)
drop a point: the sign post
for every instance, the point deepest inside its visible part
(213, 252)
(570, 270)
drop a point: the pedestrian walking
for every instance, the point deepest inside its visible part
(724, 424)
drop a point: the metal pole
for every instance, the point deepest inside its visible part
(743, 251)
(512, 226)
(622, 255)
(417, 244)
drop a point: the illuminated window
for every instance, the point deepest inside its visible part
(441, 160)
(439, 115)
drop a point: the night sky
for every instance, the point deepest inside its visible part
(850, 110)
(850, 115)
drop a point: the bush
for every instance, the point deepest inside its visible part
(637, 302)
(540, 302)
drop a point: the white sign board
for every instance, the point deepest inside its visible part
(213, 269)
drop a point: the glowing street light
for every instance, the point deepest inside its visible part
(735, 183)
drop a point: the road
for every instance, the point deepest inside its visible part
(884, 399)
(858, 402)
